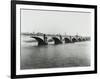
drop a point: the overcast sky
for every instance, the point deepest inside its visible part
(53, 22)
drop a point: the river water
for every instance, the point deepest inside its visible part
(54, 56)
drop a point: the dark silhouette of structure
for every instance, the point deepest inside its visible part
(67, 40)
(59, 40)
(41, 41)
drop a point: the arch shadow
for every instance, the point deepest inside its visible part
(40, 41)
(67, 40)
(79, 39)
(56, 40)
(74, 40)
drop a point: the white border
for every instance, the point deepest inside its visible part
(51, 70)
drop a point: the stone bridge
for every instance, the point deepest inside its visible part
(58, 39)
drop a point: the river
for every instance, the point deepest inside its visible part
(54, 56)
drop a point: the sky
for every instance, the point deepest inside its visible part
(53, 22)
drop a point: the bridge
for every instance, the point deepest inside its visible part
(58, 39)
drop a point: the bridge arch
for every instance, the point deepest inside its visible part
(74, 40)
(79, 39)
(67, 40)
(40, 41)
(83, 39)
(56, 40)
